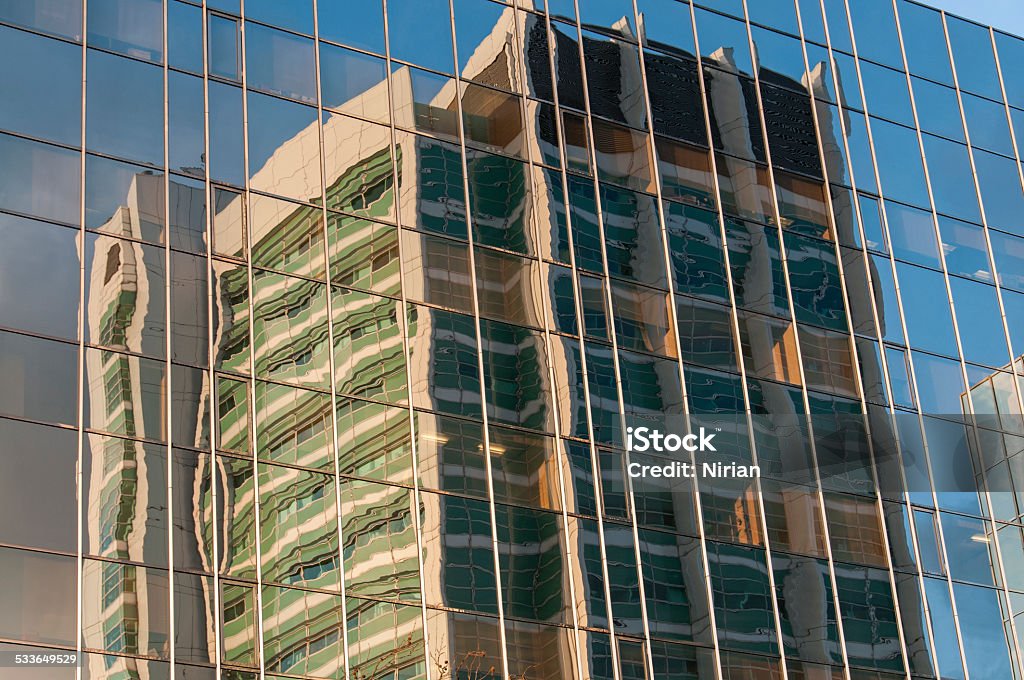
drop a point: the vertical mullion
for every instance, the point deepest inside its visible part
(673, 315)
(251, 382)
(799, 351)
(560, 454)
(584, 373)
(899, 295)
(1005, 600)
(332, 368)
(211, 351)
(80, 387)
(855, 351)
(168, 321)
(608, 301)
(403, 317)
(477, 325)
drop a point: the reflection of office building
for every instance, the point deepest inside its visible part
(357, 340)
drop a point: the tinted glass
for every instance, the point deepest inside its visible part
(972, 54)
(281, 133)
(46, 372)
(39, 180)
(185, 124)
(295, 15)
(135, 132)
(280, 63)
(353, 82)
(924, 40)
(938, 110)
(37, 466)
(928, 321)
(359, 23)
(43, 85)
(58, 17)
(42, 608)
(409, 21)
(184, 36)
(131, 27)
(42, 258)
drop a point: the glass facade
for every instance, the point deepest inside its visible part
(321, 323)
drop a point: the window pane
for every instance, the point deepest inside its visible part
(43, 259)
(978, 317)
(42, 607)
(290, 329)
(40, 180)
(493, 120)
(118, 474)
(409, 21)
(185, 36)
(380, 541)
(282, 135)
(227, 143)
(224, 46)
(924, 39)
(42, 87)
(41, 375)
(912, 233)
(354, 83)
(368, 346)
(125, 593)
(1000, 191)
(185, 124)
(359, 23)
(59, 17)
(874, 28)
(37, 479)
(124, 199)
(424, 101)
(280, 63)
(131, 27)
(975, 62)
(295, 15)
(899, 163)
(134, 132)
(287, 236)
(485, 40)
(299, 523)
(937, 108)
(363, 254)
(926, 310)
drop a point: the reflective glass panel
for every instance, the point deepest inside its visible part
(924, 40)
(353, 82)
(44, 259)
(43, 86)
(282, 135)
(131, 27)
(295, 15)
(134, 132)
(380, 541)
(973, 57)
(39, 179)
(409, 21)
(290, 329)
(359, 23)
(299, 527)
(279, 63)
(42, 608)
(37, 472)
(368, 356)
